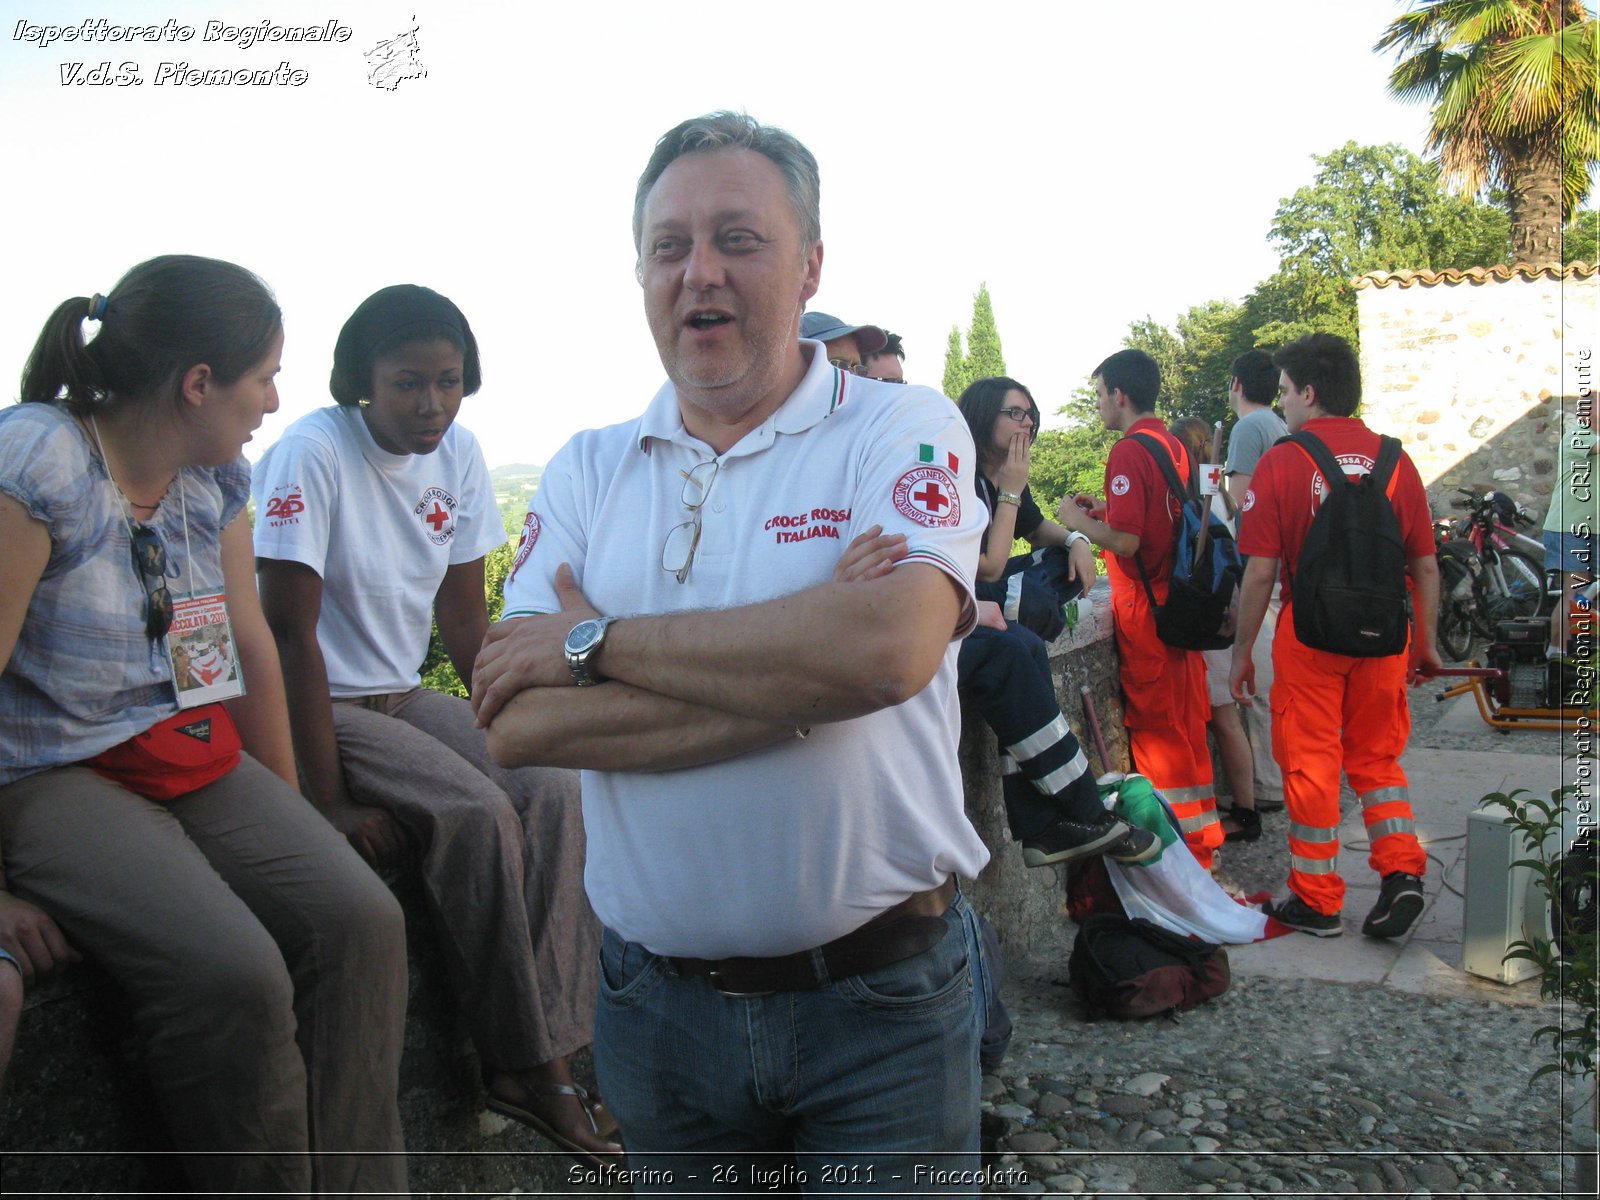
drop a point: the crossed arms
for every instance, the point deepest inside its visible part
(691, 688)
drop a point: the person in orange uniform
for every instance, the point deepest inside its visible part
(1164, 688)
(1330, 711)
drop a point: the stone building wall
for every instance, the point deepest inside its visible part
(1470, 368)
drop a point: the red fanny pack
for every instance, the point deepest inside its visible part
(188, 750)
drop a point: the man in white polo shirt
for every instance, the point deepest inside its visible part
(770, 789)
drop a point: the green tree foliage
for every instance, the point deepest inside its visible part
(438, 673)
(1580, 240)
(1195, 358)
(983, 356)
(1163, 345)
(1515, 91)
(1213, 335)
(1369, 208)
(955, 371)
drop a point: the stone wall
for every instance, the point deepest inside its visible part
(1469, 369)
(1027, 906)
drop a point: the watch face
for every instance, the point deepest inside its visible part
(583, 635)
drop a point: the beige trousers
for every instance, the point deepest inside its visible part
(264, 962)
(502, 868)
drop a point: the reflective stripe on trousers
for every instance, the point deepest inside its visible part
(1333, 714)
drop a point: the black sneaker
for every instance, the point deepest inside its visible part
(1138, 845)
(1399, 905)
(1297, 914)
(1070, 838)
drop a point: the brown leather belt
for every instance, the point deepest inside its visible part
(914, 925)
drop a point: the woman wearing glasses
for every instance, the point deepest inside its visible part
(1052, 803)
(263, 963)
(373, 518)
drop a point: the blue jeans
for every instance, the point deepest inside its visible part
(866, 1084)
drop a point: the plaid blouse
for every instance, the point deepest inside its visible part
(84, 676)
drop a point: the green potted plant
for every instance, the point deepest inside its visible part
(1568, 877)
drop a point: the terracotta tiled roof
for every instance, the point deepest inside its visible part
(1576, 270)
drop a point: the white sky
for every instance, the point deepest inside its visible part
(1091, 170)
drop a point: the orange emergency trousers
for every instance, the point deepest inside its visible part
(1166, 707)
(1329, 712)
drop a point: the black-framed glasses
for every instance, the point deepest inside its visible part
(1019, 415)
(844, 364)
(150, 559)
(683, 540)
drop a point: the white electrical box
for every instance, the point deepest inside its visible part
(1504, 904)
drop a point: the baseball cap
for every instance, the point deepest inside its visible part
(824, 328)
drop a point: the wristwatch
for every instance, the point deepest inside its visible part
(1008, 498)
(583, 643)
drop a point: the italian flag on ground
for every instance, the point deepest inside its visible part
(1173, 889)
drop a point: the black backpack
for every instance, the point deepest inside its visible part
(1349, 589)
(1128, 967)
(1205, 568)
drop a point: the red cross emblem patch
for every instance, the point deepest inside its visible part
(525, 544)
(928, 496)
(437, 511)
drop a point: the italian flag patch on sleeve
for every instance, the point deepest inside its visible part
(934, 455)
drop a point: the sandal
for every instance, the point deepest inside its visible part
(601, 1123)
(1249, 822)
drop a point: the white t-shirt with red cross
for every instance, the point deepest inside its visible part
(795, 844)
(381, 529)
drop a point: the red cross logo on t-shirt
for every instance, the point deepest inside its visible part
(928, 496)
(437, 511)
(931, 498)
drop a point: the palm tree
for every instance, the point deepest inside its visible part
(1515, 101)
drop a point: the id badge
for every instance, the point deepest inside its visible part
(205, 661)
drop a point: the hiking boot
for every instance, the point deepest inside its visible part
(1248, 821)
(1297, 914)
(1398, 907)
(1071, 838)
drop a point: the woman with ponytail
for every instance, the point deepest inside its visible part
(148, 811)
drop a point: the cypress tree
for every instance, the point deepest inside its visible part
(955, 370)
(984, 356)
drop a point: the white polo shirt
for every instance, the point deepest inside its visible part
(380, 529)
(795, 844)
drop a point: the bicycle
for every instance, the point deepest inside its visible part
(1488, 571)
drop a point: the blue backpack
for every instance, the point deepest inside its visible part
(1205, 568)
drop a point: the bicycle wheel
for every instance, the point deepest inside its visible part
(1455, 631)
(1524, 595)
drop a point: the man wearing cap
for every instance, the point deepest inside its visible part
(848, 345)
(770, 788)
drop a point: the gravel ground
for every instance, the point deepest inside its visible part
(1277, 1087)
(1283, 1086)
